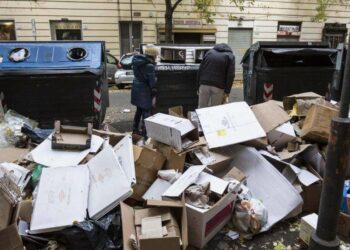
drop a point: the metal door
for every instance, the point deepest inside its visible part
(239, 40)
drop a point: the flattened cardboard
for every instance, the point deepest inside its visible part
(188, 178)
(236, 174)
(12, 154)
(157, 189)
(267, 184)
(124, 153)
(284, 155)
(61, 200)
(147, 164)
(270, 115)
(174, 131)
(6, 211)
(10, 239)
(229, 124)
(46, 156)
(318, 122)
(108, 183)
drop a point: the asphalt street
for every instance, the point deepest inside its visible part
(120, 113)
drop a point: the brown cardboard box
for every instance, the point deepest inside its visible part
(290, 101)
(270, 115)
(344, 225)
(317, 123)
(147, 164)
(10, 239)
(204, 224)
(174, 160)
(213, 159)
(12, 154)
(236, 174)
(176, 111)
(177, 225)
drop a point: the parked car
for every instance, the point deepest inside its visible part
(124, 75)
(112, 67)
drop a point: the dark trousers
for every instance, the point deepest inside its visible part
(140, 116)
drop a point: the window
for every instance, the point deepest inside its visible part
(66, 30)
(7, 30)
(111, 59)
(190, 38)
(288, 31)
(334, 33)
(130, 36)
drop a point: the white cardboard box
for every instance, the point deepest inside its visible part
(229, 124)
(204, 224)
(307, 227)
(174, 131)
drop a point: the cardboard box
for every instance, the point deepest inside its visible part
(317, 123)
(10, 239)
(270, 115)
(215, 161)
(290, 103)
(147, 164)
(177, 218)
(308, 225)
(282, 135)
(71, 137)
(177, 111)
(204, 224)
(12, 154)
(174, 160)
(174, 131)
(229, 124)
(344, 225)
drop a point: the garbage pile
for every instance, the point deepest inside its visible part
(80, 188)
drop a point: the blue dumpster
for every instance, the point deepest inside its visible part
(49, 81)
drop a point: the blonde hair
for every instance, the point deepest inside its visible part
(151, 50)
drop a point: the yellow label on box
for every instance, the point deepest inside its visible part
(221, 132)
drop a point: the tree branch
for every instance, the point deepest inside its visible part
(175, 5)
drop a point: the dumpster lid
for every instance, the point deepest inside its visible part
(51, 57)
(288, 47)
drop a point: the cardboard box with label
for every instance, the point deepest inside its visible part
(174, 131)
(163, 225)
(317, 123)
(308, 225)
(229, 124)
(147, 164)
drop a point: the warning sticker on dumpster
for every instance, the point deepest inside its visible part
(229, 124)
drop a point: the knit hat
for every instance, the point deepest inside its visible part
(151, 50)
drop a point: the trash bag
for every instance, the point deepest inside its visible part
(103, 234)
(250, 216)
(37, 135)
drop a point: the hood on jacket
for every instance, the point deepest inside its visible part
(140, 60)
(222, 47)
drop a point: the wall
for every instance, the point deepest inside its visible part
(100, 17)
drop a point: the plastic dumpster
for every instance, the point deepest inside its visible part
(272, 70)
(176, 71)
(49, 81)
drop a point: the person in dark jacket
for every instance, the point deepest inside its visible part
(143, 90)
(215, 76)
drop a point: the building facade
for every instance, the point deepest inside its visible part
(124, 24)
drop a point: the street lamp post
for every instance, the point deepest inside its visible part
(338, 159)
